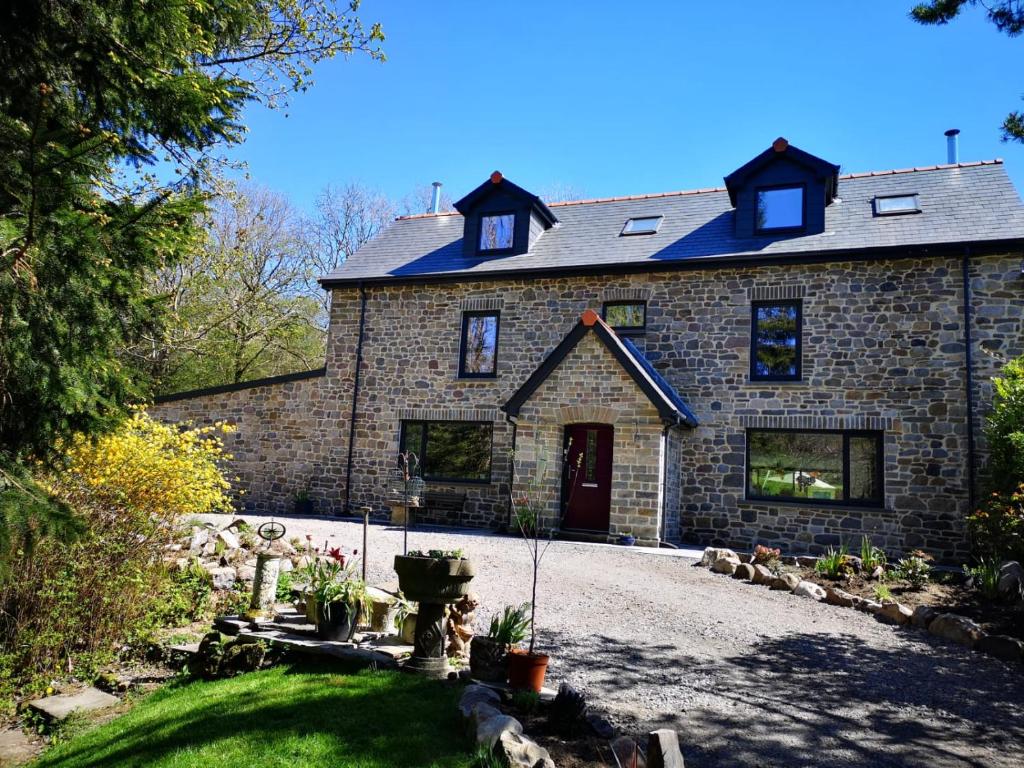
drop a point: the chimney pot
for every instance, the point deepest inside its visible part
(435, 198)
(496, 177)
(953, 146)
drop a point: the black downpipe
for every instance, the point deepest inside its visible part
(355, 396)
(969, 366)
(511, 473)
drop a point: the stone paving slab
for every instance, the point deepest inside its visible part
(60, 706)
(16, 748)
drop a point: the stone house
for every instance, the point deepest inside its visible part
(796, 359)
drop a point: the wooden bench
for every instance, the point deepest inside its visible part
(445, 506)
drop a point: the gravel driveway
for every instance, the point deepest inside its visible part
(748, 677)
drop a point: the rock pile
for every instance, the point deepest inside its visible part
(228, 552)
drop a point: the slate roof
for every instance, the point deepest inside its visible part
(961, 203)
(671, 407)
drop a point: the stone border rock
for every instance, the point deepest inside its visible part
(499, 733)
(949, 626)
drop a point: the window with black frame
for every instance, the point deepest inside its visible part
(626, 316)
(497, 232)
(452, 451)
(775, 349)
(815, 466)
(478, 355)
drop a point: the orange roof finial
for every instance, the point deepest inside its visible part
(780, 144)
(590, 318)
(496, 177)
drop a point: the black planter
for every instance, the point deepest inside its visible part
(488, 660)
(337, 623)
(303, 506)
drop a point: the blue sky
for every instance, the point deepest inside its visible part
(628, 98)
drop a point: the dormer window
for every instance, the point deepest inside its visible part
(497, 231)
(783, 191)
(780, 208)
(501, 219)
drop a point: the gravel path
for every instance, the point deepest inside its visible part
(749, 677)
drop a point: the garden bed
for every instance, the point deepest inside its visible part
(945, 591)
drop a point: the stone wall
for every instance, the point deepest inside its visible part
(882, 346)
(289, 437)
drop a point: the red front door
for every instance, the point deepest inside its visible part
(587, 485)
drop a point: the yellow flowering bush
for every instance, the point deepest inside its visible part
(71, 604)
(148, 465)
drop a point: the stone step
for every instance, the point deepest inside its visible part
(313, 646)
(16, 748)
(60, 706)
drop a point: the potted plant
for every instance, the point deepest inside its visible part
(336, 598)
(488, 654)
(627, 539)
(303, 504)
(526, 669)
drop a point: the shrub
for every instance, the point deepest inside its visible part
(186, 596)
(882, 592)
(1004, 430)
(985, 577)
(997, 528)
(913, 569)
(834, 564)
(70, 605)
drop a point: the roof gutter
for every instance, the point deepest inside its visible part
(972, 469)
(880, 253)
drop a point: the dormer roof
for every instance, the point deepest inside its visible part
(826, 172)
(498, 184)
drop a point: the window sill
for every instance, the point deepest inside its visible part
(477, 483)
(475, 379)
(812, 505)
(776, 383)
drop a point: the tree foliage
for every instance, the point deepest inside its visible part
(93, 94)
(1006, 15)
(240, 307)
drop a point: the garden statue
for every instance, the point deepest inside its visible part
(460, 626)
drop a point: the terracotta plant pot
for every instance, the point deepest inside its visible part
(526, 670)
(433, 580)
(488, 660)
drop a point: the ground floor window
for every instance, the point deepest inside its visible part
(833, 467)
(456, 451)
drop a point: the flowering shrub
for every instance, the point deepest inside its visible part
(766, 556)
(997, 528)
(169, 472)
(69, 605)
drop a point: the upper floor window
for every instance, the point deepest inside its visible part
(780, 208)
(831, 467)
(453, 451)
(644, 225)
(893, 205)
(626, 316)
(775, 340)
(478, 357)
(496, 231)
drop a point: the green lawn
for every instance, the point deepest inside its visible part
(292, 716)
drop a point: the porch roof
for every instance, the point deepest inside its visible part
(671, 407)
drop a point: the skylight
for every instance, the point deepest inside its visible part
(644, 225)
(896, 204)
